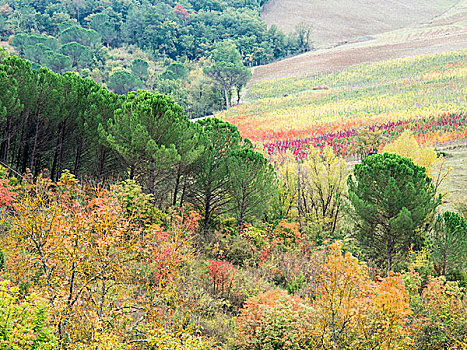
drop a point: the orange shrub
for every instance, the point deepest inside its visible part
(274, 320)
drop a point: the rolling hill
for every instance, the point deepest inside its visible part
(440, 26)
(336, 21)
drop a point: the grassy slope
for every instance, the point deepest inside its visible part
(398, 89)
(368, 94)
(457, 160)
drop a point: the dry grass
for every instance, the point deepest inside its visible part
(457, 159)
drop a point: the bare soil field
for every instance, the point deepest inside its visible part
(446, 32)
(337, 21)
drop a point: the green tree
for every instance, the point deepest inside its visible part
(121, 82)
(139, 68)
(105, 26)
(86, 37)
(450, 242)
(190, 144)
(10, 109)
(210, 191)
(392, 198)
(228, 69)
(302, 37)
(20, 41)
(252, 184)
(101, 104)
(203, 98)
(35, 53)
(57, 62)
(145, 131)
(46, 109)
(176, 70)
(75, 51)
(27, 83)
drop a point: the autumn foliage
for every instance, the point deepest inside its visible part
(100, 267)
(222, 276)
(274, 320)
(102, 274)
(346, 309)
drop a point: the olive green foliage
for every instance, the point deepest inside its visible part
(82, 35)
(211, 180)
(51, 120)
(23, 322)
(392, 198)
(139, 68)
(450, 242)
(176, 70)
(252, 184)
(122, 82)
(228, 69)
(145, 131)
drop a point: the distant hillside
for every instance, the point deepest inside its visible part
(446, 32)
(337, 21)
(425, 94)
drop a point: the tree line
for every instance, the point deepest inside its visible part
(166, 28)
(56, 122)
(158, 46)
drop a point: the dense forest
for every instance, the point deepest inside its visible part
(125, 225)
(160, 46)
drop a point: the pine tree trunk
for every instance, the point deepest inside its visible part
(177, 185)
(34, 146)
(24, 158)
(207, 209)
(242, 212)
(79, 150)
(36, 131)
(100, 163)
(7, 142)
(58, 156)
(390, 251)
(182, 198)
(226, 94)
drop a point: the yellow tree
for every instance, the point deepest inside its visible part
(321, 187)
(339, 285)
(353, 311)
(406, 145)
(285, 165)
(103, 276)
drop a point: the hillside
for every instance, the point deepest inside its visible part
(330, 108)
(329, 211)
(444, 33)
(425, 94)
(160, 46)
(336, 21)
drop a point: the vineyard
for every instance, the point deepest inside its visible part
(426, 94)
